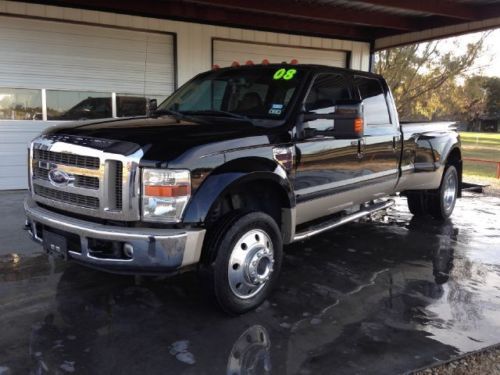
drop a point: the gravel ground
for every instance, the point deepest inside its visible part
(486, 362)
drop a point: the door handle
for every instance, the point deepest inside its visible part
(395, 142)
(361, 148)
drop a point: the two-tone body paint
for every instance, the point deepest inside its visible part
(327, 175)
(426, 149)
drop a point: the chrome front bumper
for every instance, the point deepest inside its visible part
(155, 250)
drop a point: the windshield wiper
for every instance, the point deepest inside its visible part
(171, 112)
(217, 112)
(177, 115)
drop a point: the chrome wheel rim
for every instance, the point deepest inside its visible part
(450, 192)
(250, 264)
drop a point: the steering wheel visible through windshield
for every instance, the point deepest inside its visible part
(246, 93)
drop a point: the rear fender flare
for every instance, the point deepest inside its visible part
(452, 144)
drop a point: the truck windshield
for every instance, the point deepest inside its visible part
(244, 93)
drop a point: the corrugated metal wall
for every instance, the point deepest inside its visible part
(225, 52)
(66, 56)
(194, 41)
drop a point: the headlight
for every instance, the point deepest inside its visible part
(165, 194)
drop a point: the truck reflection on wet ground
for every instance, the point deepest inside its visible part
(385, 296)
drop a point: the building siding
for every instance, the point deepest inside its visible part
(194, 55)
(194, 47)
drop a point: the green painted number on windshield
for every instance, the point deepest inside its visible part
(284, 74)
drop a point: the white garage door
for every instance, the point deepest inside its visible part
(225, 52)
(70, 62)
(43, 54)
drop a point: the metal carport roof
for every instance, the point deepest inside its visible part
(383, 23)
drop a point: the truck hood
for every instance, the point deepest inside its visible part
(165, 139)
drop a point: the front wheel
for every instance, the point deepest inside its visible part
(442, 202)
(248, 253)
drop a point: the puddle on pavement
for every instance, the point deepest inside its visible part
(383, 296)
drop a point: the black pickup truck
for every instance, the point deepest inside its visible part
(232, 166)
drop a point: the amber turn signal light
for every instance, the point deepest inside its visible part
(358, 125)
(167, 191)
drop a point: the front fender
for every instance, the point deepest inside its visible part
(229, 175)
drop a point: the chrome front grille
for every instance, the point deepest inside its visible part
(70, 198)
(119, 186)
(80, 181)
(80, 161)
(84, 180)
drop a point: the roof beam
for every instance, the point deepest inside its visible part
(181, 10)
(316, 12)
(437, 7)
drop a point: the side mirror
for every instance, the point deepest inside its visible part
(348, 121)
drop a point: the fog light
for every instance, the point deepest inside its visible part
(128, 251)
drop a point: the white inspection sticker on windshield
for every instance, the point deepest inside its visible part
(276, 109)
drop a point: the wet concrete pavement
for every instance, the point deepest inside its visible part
(376, 297)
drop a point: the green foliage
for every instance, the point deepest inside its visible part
(423, 79)
(492, 102)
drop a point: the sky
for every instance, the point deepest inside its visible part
(489, 62)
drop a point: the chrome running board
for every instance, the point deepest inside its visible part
(330, 224)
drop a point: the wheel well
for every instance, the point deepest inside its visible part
(259, 195)
(455, 159)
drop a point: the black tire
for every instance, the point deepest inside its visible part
(221, 245)
(417, 204)
(442, 201)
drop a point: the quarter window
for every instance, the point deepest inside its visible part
(20, 104)
(375, 106)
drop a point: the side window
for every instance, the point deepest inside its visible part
(326, 90)
(373, 96)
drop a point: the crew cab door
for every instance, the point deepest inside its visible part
(380, 151)
(337, 174)
(326, 168)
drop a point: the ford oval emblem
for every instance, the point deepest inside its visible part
(60, 178)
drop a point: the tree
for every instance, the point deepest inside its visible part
(423, 79)
(492, 87)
